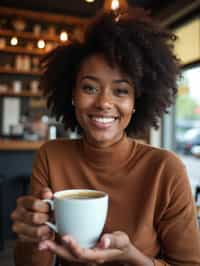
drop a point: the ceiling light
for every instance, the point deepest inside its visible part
(63, 36)
(115, 4)
(41, 44)
(14, 41)
(90, 1)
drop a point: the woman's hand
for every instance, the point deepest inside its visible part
(29, 218)
(111, 247)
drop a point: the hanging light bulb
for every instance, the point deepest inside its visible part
(115, 4)
(64, 36)
(41, 44)
(14, 41)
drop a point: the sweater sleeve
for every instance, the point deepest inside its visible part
(27, 254)
(177, 224)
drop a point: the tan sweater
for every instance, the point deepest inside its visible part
(150, 196)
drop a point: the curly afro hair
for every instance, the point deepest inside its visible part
(131, 40)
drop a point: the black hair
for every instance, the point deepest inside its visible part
(141, 48)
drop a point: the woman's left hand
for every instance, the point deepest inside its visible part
(111, 247)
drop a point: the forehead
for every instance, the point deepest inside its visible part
(99, 66)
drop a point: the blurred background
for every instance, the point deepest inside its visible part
(28, 30)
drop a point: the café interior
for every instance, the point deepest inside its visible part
(28, 30)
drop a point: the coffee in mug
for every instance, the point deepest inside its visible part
(80, 213)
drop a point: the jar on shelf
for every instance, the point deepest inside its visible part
(3, 23)
(30, 45)
(37, 29)
(26, 63)
(51, 31)
(35, 63)
(2, 43)
(23, 62)
(19, 24)
(17, 86)
(18, 62)
(34, 86)
(3, 88)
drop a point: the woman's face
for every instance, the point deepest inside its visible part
(103, 100)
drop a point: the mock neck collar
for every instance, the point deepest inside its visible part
(108, 157)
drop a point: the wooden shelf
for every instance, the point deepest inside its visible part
(19, 145)
(4, 70)
(29, 36)
(21, 94)
(22, 50)
(43, 16)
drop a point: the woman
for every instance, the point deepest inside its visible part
(114, 85)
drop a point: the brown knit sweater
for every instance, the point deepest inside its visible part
(150, 196)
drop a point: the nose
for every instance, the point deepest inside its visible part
(104, 101)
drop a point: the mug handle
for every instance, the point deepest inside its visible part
(51, 205)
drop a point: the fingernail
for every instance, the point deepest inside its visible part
(107, 242)
(66, 239)
(42, 246)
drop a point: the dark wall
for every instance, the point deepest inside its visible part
(14, 163)
(15, 171)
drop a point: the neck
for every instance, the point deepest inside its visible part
(110, 157)
(103, 144)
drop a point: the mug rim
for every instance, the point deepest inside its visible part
(57, 194)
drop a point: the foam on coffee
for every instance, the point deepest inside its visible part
(82, 195)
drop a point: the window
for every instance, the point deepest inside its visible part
(187, 122)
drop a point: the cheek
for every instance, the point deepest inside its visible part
(127, 108)
(82, 101)
(83, 104)
(82, 107)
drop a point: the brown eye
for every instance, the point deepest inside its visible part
(89, 89)
(121, 92)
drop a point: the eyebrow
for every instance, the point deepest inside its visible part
(114, 81)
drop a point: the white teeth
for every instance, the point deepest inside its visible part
(103, 119)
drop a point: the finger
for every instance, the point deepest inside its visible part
(59, 250)
(29, 217)
(97, 255)
(46, 193)
(31, 231)
(28, 239)
(87, 255)
(116, 240)
(33, 204)
(24, 238)
(71, 244)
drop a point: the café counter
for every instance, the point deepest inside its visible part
(16, 161)
(17, 156)
(19, 145)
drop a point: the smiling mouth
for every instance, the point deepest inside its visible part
(102, 121)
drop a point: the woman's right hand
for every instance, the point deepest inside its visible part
(29, 217)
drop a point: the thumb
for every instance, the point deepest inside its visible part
(116, 240)
(46, 193)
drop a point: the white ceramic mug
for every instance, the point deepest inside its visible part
(82, 218)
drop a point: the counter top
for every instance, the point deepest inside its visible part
(19, 145)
